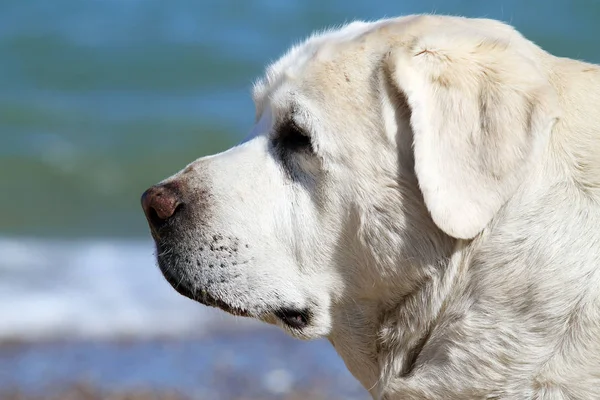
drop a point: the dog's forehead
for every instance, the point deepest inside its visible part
(343, 49)
(320, 46)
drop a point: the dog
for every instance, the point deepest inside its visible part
(422, 191)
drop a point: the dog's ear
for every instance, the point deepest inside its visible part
(480, 111)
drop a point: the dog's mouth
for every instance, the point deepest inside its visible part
(210, 301)
(293, 318)
(184, 288)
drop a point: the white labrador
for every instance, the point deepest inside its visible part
(424, 192)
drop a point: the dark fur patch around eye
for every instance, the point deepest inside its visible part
(292, 138)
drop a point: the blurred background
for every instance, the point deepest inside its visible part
(99, 99)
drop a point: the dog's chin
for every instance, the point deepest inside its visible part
(209, 300)
(292, 319)
(295, 320)
(190, 290)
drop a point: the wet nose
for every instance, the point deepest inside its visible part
(160, 203)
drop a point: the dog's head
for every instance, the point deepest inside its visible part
(375, 147)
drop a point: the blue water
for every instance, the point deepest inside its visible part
(100, 99)
(228, 365)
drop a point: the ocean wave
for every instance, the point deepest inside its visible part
(94, 288)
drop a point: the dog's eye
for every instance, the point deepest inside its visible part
(292, 137)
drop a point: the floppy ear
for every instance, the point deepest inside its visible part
(481, 110)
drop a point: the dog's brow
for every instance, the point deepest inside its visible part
(284, 116)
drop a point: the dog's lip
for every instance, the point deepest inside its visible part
(207, 299)
(202, 296)
(294, 318)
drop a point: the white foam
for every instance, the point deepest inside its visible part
(93, 288)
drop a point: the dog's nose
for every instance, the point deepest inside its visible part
(160, 203)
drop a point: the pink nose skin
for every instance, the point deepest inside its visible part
(160, 203)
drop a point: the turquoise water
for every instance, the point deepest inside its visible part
(100, 99)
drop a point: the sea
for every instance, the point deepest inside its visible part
(99, 99)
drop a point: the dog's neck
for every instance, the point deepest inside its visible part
(405, 328)
(377, 350)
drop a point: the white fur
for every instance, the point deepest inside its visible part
(444, 233)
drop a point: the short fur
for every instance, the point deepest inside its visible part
(442, 229)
